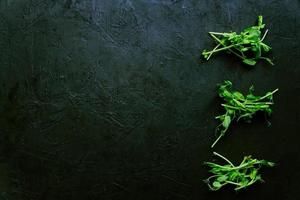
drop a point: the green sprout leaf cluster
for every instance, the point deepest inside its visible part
(239, 106)
(240, 176)
(248, 45)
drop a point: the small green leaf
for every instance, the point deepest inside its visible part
(267, 163)
(238, 95)
(204, 54)
(260, 21)
(222, 178)
(234, 175)
(231, 112)
(246, 41)
(217, 184)
(253, 173)
(258, 178)
(244, 49)
(226, 122)
(269, 111)
(268, 60)
(244, 182)
(249, 62)
(254, 35)
(265, 47)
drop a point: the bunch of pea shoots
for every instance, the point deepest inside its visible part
(238, 106)
(240, 176)
(248, 45)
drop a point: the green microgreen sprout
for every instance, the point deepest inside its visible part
(248, 45)
(240, 176)
(239, 106)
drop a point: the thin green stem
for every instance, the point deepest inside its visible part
(233, 183)
(257, 106)
(267, 59)
(217, 140)
(212, 51)
(217, 33)
(244, 160)
(264, 35)
(258, 103)
(243, 186)
(214, 164)
(218, 117)
(217, 154)
(239, 103)
(244, 165)
(232, 107)
(211, 177)
(217, 39)
(267, 95)
(245, 115)
(220, 49)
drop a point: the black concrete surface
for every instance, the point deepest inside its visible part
(109, 99)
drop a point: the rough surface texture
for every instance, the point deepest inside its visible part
(109, 99)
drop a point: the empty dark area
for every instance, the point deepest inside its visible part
(111, 100)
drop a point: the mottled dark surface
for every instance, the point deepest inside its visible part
(109, 99)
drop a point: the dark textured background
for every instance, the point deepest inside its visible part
(109, 99)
